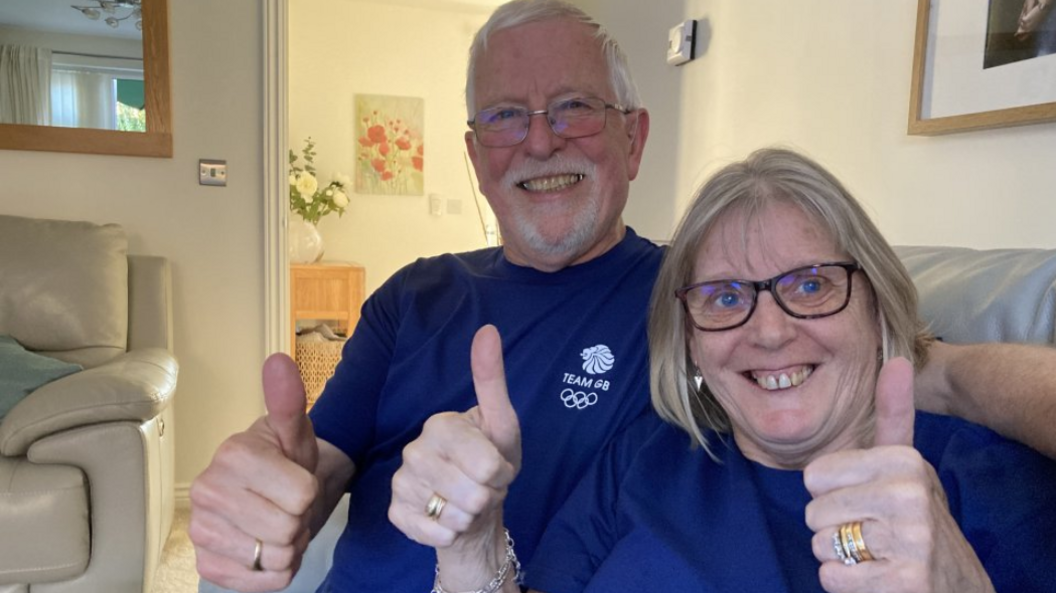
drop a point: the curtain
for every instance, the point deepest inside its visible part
(83, 99)
(25, 77)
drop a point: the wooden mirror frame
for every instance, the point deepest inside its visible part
(155, 142)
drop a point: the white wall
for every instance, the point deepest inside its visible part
(213, 236)
(831, 78)
(340, 48)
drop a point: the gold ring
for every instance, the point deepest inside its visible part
(258, 551)
(435, 506)
(859, 542)
(849, 538)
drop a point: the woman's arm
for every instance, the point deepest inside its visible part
(1009, 388)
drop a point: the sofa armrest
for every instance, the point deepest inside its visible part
(136, 386)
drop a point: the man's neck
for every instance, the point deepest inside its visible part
(556, 262)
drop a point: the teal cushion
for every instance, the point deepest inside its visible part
(22, 372)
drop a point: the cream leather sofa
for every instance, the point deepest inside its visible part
(86, 461)
(966, 295)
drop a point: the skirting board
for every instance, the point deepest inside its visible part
(183, 496)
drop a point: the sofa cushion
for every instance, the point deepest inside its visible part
(47, 507)
(65, 288)
(22, 372)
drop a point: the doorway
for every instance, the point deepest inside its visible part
(318, 61)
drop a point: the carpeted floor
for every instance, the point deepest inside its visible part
(177, 573)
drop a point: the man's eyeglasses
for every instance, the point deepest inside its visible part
(507, 125)
(809, 292)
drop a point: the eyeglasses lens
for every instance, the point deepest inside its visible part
(810, 292)
(568, 118)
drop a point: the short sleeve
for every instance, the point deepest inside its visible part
(344, 415)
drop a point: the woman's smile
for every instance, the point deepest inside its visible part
(783, 379)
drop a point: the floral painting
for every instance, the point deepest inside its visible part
(390, 151)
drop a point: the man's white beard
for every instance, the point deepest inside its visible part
(529, 221)
(579, 236)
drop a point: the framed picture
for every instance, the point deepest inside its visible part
(979, 65)
(390, 147)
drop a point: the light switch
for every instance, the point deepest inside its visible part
(212, 172)
(436, 204)
(680, 42)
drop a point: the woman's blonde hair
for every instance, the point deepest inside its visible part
(748, 187)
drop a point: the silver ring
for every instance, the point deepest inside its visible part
(435, 506)
(258, 551)
(841, 551)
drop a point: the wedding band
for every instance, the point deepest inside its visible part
(859, 542)
(258, 551)
(435, 506)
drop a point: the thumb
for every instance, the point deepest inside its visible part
(498, 418)
(894, 404)
(286, 402)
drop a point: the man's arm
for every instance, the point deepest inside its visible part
(334, 472)
(1010, 388)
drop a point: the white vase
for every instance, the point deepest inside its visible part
(305, 244)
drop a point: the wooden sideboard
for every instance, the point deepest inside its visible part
(330, 292)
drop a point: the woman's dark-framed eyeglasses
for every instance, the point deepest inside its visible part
(808, 292)
(507, 125)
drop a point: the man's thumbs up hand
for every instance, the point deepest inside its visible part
(455, 475)
(251, 506)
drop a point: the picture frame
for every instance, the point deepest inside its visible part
(957, 86)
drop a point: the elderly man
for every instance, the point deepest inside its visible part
(557, 134)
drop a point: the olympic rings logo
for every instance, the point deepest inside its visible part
(578, 399)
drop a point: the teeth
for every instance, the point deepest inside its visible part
(553, 183)
(784, 380)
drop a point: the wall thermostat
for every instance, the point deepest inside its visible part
(680, 42)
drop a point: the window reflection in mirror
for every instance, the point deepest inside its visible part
(62, 67)
(76, 77)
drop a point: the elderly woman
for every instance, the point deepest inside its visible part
(782, 333)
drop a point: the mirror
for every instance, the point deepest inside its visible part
(157, 140)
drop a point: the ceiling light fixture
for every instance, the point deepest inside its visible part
(114, 9)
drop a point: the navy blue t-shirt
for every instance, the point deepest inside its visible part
(575, 349)
(656, 514)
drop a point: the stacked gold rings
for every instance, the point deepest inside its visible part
(435, 506)
(849, 545)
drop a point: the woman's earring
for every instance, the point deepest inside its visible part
(698, 379)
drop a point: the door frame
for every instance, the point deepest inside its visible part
(276, 211)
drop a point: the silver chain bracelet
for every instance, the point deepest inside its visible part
(496, 583)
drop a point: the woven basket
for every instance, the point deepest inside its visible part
(317, 361)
